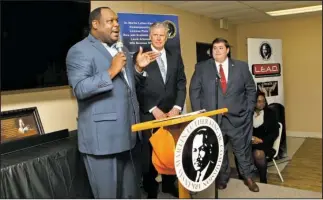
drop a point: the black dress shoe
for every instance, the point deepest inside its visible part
(251, 185)
(171, 190)
(152, 192)
(221, 186)
(152, 196)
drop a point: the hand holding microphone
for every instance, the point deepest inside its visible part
(118, 61)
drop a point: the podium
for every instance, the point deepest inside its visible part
(176, 125)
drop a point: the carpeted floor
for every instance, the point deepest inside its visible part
(236, 189)
(293, 144)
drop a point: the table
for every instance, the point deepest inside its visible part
(47, 171)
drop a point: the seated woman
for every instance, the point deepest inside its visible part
(265, 132)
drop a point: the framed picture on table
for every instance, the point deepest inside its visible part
(19, 124)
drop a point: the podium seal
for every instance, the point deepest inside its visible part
(199, 154)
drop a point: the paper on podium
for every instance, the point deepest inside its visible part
(176, 120)
(180, 116)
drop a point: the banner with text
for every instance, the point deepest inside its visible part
(135, 30)
(265, 63)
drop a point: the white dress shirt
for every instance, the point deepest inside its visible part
(113, 51)
(225, 66)
(162, 56)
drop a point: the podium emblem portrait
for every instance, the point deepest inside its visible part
(199, 154)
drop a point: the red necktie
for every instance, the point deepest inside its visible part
(223, 81)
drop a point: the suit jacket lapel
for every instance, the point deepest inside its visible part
(231, 74)
(170, 61)
(97, 44)
(154, 68)
(212, 63)
(124, 79)
(129, 72)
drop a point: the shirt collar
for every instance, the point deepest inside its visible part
(224, 63)
(161, 52)
(107, 46)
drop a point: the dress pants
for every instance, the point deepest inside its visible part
(240, 139)
(115, 176)
(150, 185)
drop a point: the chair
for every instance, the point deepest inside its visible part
(276, 147)
(280, 114)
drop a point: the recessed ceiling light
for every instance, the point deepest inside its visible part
(295, 10)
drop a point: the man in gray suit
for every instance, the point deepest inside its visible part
(103, 83)
(236, 91)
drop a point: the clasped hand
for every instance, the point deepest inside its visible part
(158, 114)
(256, 140)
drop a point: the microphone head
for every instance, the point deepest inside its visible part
(119, 45)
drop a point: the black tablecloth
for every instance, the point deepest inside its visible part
(51, 170)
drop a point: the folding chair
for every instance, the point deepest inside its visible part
(276, 147)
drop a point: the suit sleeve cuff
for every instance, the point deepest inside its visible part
(143, 73)
(178, 107)
(151, 110)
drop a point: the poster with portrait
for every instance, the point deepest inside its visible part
(199, 154)
(266, 65)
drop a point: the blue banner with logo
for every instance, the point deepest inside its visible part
(134, 30)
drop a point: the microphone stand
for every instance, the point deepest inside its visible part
(217, 79)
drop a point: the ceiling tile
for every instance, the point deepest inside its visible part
(232, 7)
(262, 3)
(238, 11)
(284, 5)
(172, 3)
(203, 4)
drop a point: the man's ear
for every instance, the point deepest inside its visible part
(95, 24)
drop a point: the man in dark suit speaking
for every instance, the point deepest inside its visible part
(236, 91)
(161, 92)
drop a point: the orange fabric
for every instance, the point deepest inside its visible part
(163, 151)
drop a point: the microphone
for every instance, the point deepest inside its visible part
(119, 46)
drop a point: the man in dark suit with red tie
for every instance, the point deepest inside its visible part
(161, 92)
(236, 91)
